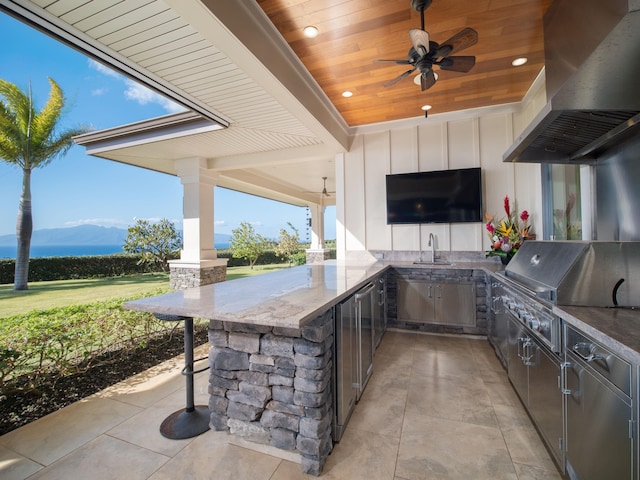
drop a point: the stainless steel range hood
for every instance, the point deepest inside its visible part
(592, 72)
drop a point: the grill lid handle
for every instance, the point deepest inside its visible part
(614, 294)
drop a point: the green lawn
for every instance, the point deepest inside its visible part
(44, 295)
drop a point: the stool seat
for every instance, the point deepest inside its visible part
(192, 420)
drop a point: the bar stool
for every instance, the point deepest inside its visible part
(192, 420)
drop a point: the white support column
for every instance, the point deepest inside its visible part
(317, 252)
(198, 263)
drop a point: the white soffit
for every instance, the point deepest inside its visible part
(171, 47)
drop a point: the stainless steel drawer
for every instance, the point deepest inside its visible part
(610, 366)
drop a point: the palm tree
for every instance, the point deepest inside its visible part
(28, 140)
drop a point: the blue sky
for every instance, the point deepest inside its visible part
(79, 189)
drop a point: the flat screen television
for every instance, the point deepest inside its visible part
(443, 196)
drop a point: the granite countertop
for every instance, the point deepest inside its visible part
(286, 298)
(615, 328)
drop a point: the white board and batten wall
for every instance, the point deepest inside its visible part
(476, 138)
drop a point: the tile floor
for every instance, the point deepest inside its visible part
(436, 407)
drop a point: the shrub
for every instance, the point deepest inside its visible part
(66, 268)
(67, 340)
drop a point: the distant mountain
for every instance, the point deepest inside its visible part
(85, 235)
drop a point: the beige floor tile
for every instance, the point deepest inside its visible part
(104, 458)
(526, 447)
(527, 472)
(362, 456)
(450, 364)
(209, 456)
(143, 429)
(50, 438)
(14, 466)
(512, 417)
(501, 392)
(380, 411)
(451, 398)
(437, 449)
(291, 471)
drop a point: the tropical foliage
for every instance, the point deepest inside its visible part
(246, 243)
(29, 139)
(156, 243)
(288, 244)
(507, 233)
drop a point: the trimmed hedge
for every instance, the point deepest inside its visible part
(68, 268)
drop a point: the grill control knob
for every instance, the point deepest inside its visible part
(534, 324)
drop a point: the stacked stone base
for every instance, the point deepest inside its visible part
(317, 256)
(273, 386)
(183, 277)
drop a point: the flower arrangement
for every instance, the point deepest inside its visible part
(508, 233)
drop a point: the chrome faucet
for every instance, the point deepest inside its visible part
(432, 244)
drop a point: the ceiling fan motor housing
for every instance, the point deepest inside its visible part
(420, 5)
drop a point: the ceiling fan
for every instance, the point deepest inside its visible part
(426, 53)
(324, 191)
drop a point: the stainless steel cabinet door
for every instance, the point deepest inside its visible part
(545, 398)
(598, 423)
(415, 301)
(518, 371)
(455, 303)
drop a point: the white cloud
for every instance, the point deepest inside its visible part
(220, 223)
(135, 91)
(104, 70)
(98, 92)
(143, 95)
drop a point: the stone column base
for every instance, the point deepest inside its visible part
(317, 256)
(183, 275)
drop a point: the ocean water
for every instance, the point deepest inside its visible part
(38, 251)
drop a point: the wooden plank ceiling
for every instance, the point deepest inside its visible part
(354, 33)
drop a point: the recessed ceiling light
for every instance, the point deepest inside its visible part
(310, 31)
(519, 61)
(426, 107)
(347, 94)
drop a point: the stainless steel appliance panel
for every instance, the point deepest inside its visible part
(599, 429)
(518, 372)
(345, 366)
(415, 301)
(380, 318)
(545, 397)
(366, 303)
(599, 415)
(499, 324)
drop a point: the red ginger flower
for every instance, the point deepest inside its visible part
(507, 207)
(524, 216)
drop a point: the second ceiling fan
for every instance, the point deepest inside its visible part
(425, 53)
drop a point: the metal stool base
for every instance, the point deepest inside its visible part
(185, 424)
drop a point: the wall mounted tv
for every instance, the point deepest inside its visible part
(443, 196)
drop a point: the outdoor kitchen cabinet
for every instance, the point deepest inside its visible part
(441, 302)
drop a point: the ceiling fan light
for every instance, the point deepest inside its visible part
(310, 31)
(416, 80)
(519, 61)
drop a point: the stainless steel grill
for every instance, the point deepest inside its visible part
(594, 274)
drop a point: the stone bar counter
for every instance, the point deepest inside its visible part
(271, 365)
